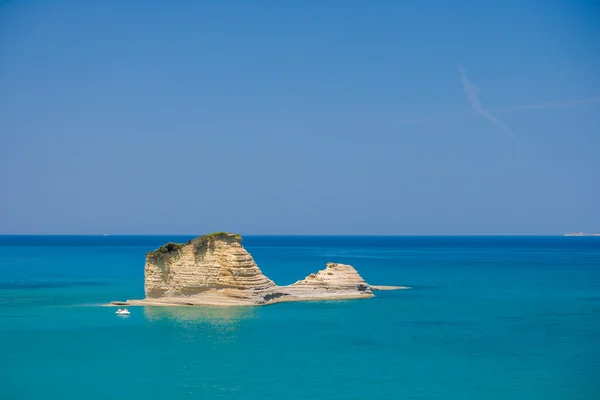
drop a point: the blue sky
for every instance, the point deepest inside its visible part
(270, 117)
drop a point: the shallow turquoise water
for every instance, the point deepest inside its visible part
(488, 318)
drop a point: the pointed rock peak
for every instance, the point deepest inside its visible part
(338, 267)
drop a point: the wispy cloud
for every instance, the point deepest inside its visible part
(472, 92)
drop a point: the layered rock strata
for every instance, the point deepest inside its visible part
(216, 270)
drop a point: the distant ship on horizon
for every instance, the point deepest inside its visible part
(581, 234)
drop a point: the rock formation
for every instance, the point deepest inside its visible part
(336, 280)
(216, 270)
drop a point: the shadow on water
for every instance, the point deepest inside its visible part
(222, 316)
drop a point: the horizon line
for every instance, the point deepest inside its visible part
(295, 234)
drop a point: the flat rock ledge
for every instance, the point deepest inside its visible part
(215, 270)
(379, 287)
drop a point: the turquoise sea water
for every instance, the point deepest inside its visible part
(487, 318)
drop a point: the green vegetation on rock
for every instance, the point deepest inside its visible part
(166, 249)
(206, 239)
(201, 241)
(220, 235)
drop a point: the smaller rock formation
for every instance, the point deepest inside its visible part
(335, 281)
(216, 270)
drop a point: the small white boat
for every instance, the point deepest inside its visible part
(122, 312)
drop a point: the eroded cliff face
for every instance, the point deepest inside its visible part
(212, 269)
(216, 270)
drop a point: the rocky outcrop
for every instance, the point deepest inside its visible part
(213, 269)
(216, 270)
(336, 280)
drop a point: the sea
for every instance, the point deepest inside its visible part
(511, 317)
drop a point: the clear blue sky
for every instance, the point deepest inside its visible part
(307, 117)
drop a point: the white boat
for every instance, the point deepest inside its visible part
(122, 312)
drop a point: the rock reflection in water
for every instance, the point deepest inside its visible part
(221, 316)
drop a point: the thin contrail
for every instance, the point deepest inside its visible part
(425, 119)
(472, 92)
(550, 106)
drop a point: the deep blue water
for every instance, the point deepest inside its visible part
(487, 318)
